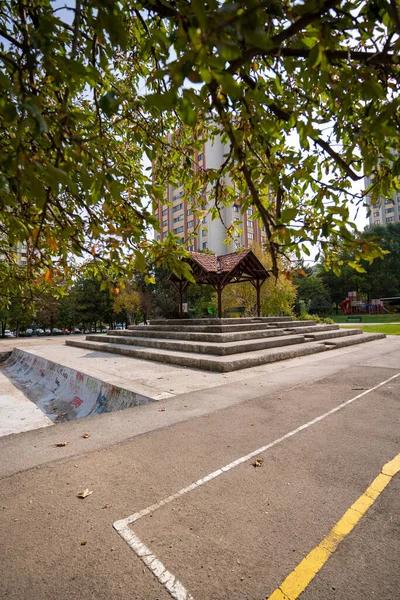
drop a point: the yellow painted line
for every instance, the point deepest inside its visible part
(306, 570)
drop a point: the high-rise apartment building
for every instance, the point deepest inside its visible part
(175, 213)
(18, 254)
(386, 210)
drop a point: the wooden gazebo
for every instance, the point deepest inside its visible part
(220, 271)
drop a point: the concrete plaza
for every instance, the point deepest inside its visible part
(321, 427)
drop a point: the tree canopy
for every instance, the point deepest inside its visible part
(381, 279)
(305, 94)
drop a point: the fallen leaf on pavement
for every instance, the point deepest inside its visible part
(161, 409)
(107, 506)
(258, 462)
(85, 493)
(60, 444)
(83, 543)
(86, 435)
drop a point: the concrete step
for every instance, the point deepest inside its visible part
(214, 321)
(204, 328)
(326, 335)
(312, 328)
(294, 324)
(199, 337)
(213, 348)
(223, 364)
(353, 340)
(220, 328)
(194, 336)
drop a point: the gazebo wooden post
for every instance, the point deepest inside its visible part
(219, 293)
(180, 286)
(258, 288)
(180, 289)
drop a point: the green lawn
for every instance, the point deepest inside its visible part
(388, 329)
(393, 318)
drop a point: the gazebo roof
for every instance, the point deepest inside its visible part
(224, 269)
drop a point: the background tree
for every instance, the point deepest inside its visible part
(378, 279)
(93, 304)
(127, 303)
(313, 292)
(277, 295)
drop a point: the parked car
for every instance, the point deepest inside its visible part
(57, 331)
(65, 331)
(47, 331)
(28, 333)
(8, 334)
(38, 331)
(119, 326)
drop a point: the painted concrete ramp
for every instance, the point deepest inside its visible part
(63, 393)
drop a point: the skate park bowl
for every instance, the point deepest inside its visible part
(63, 393)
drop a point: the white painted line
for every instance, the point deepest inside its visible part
(165, 577)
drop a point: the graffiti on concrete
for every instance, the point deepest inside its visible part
(65, 394)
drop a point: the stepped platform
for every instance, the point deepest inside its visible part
(224, 345)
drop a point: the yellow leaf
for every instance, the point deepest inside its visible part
(49, 276)
(52, 243)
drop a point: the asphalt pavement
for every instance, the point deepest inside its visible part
(277, 459)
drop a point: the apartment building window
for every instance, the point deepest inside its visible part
(200, 157)
(249, 223)
(388, 202)
(165, 223)
(191, 248)
(236, 208)
(205, 245)
(180, 218)
(204, 233)
(179, 229)
(189, 212)
(190, 223)
(178, 207)
(249, 211)
(250, 236)
(177, 196)
(165, 212)
(376, 213)
(389, 210)
(158, 238)
(389, 219)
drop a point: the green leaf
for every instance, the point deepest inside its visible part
(200, 12)
(230, 86)
(356, 266)
(140, 261)
(288, 214)
(109, 103)
(163, 101)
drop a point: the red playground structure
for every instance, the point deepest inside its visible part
(355, 306)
